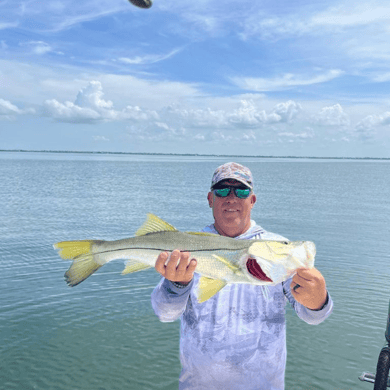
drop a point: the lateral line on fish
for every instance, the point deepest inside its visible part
(164, 250)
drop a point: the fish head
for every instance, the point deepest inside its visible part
(272, 262)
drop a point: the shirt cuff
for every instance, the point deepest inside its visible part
(177, 288)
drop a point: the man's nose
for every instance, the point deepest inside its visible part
(231, 196)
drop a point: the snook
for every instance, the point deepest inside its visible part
(221, 260)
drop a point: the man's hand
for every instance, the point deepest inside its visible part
(179, 273)
(311, 292)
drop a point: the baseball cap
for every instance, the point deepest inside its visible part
(232, 170)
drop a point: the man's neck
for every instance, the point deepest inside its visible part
(231, 231)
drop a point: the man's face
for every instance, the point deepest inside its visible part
(232, 215)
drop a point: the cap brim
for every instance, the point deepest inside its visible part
(232, 178)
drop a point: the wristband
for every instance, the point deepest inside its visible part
(180, 285)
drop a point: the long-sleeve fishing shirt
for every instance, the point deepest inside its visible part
(237, 338)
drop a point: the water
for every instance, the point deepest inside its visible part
(103, 333)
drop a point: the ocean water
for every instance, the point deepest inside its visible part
(103, 334)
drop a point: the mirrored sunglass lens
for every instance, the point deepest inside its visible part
(242, 193)
(222, 192)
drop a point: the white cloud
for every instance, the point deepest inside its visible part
(300, 136)
(249, 115)
(284, 82)
(329, 21)
(5, 25)
(69, 112)
(360, 14)
(382, 78)
(148, 59)
(37, 47)
(58, 18)
(332, 116)
(287, 111)
(194, 118)
(9, 110)
(92, 96)
(369, 125)
(100, 138)
(90, 107)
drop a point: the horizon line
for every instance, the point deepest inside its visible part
(189, 154)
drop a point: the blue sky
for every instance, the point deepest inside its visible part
(214, 77)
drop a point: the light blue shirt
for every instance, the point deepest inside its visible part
(237, 338)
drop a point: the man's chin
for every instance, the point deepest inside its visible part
(232, 219)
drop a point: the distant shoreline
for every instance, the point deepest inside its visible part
(192, 154)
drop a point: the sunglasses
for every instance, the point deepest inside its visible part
(240, 192)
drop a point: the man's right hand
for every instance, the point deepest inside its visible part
(181, 272)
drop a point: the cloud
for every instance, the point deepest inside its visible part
(287, 111)
(90, 107)
(9, 110)
(367, 127)
(248, 115)
(331, 20)
(55, 16)
(284, 82)
(92, 96)
(39, 47)
(100, 138)
(148, 59)
(37, 83)
(332, 116)
(6, 25)
(292, 137)
(361, 14)
(382, 78)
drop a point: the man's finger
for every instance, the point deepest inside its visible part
(183, 263)
(170, 268)
(191, 267)
(305, 273)
(160, 263)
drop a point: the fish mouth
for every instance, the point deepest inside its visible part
(255, 270)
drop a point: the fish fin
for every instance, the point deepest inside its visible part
(72, 249)
(209, 287)
(81, 269)
(83, 264)
(201, 234)
(134, 266)
(226, 262)
(154, 224)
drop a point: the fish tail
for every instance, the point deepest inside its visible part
(84, 262)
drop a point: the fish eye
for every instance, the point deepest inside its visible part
(285, 243)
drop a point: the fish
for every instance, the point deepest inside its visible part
(220, 260)
(142, 3)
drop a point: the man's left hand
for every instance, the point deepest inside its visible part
(311, 292)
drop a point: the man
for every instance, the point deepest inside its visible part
(236, 339)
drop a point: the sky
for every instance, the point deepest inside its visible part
(268, 78)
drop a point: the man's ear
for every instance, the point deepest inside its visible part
(210, 199)
(253, 199)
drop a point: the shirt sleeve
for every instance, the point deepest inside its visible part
(169, 301)
(312, 317)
